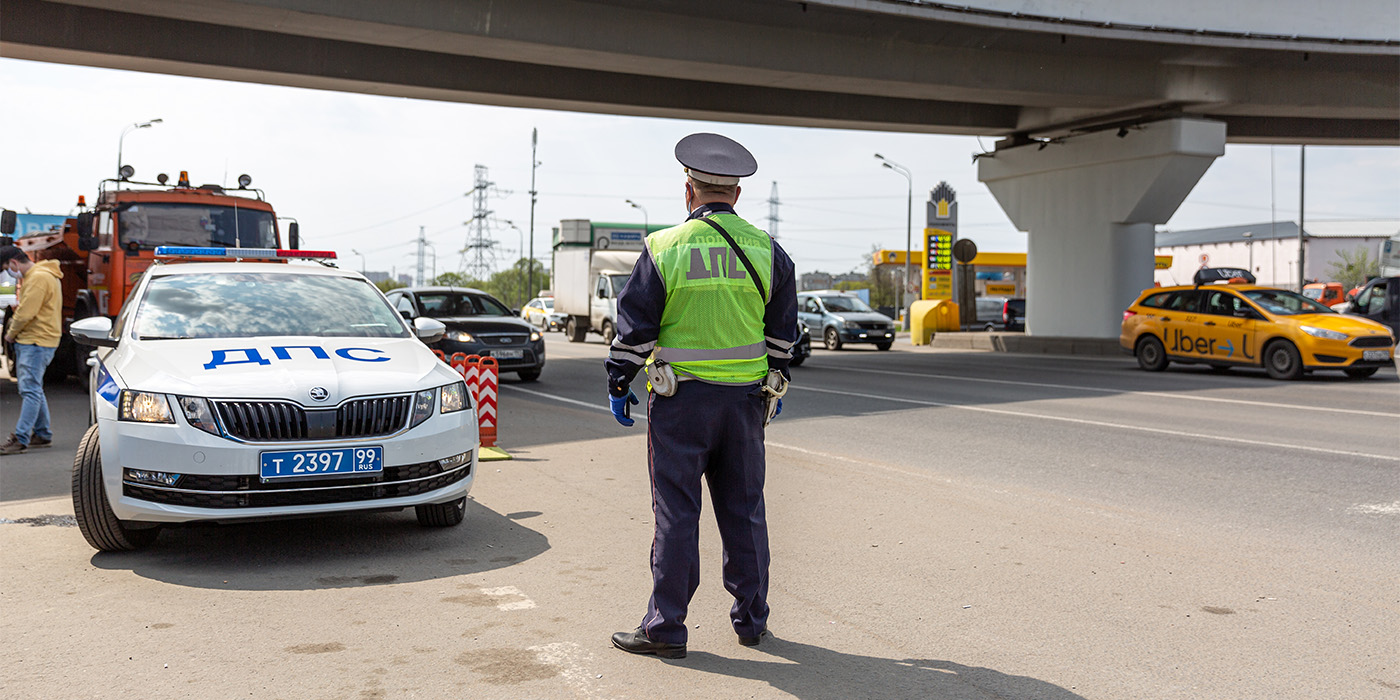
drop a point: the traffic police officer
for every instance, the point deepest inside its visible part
(713, 300)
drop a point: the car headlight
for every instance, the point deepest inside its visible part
(1322, 333)
(460, 336)
(145, 407)
(535, 335)
(454, 398)
(423, 406)
(198, 413)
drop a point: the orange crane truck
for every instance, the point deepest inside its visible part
(104, 250)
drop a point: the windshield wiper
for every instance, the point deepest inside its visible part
(167, 337)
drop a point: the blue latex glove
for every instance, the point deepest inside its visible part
(620, 410)
(779, 412)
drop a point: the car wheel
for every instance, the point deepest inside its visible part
(1360, 372)
(883, 346)
(832, 338)
(528, 375)
(97, 522)
(1151, 356)
(441, 514)
(608, 333)
(989, 328)
(1282, 361)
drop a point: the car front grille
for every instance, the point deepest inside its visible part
(503, 339)
(280, 421)
(873, 326)
(1371, 341)
(372, 417)
(249, 491)
(268, 421)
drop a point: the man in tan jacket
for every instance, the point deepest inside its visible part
(35, 327)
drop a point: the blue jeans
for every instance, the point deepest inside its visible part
(30, 363)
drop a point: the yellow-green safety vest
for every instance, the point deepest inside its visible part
(712, 326)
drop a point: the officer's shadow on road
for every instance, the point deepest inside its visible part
(332, 552)
(813, 673)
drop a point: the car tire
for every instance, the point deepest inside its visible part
(990, 328)
(883, 346)
(441, 514)
(1282, 361)
(528, 375)
(97, 522)
(608, 333)
(832, 338)
(1151, 354)
(1360, 372)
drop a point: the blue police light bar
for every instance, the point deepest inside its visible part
(197, 252)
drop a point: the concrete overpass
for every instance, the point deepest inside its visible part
(1136, 101)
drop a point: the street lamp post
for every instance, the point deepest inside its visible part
(534, 143)
(1249, 243)
(362, 260)
(908, 229)
(125, 131)
(529, 263)
(646, 222)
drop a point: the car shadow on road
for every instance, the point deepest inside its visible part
(330, 552)
(814, 673)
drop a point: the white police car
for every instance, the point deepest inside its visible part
(234, 390)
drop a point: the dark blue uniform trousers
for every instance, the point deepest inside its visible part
(716, 431)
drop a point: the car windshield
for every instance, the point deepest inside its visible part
(150, 225)
(256, 304)
(460, 304)
(844, 304)
(1285, 303)
(1313, 293)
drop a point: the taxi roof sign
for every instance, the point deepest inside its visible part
(1209, 275)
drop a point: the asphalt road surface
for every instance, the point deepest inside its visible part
(944, 524)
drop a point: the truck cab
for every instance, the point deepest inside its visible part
(104, 250)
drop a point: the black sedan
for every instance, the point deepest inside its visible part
(477, 324)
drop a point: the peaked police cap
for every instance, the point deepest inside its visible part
(718, 160)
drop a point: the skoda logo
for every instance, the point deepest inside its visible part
(319, 393)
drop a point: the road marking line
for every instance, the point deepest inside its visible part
(575, 402)
(507, 591)
(1103, 424)
(1022, 414)
(1375, 508)
(1162, 394)
(573, 663)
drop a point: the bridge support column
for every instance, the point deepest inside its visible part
(1090, 204)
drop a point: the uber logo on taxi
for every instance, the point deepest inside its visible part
(1183, 343)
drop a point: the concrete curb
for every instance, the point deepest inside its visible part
(1025, 344)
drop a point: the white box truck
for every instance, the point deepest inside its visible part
(592, 263)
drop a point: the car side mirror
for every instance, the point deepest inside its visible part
(7, 222)
(429, 330)
(94, 330)
(1246, 313)
(294, 236)
(87, 240)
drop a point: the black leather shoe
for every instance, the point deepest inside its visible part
(636, 642)
(754, 640)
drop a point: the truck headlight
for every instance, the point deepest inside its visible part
(198, 414)
(1322, 333)
(460, 336)
(422, 406)
(454, 398)
(145, 407)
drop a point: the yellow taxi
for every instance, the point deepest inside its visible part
(1240, 323)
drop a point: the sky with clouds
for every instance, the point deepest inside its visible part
(364, 172)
